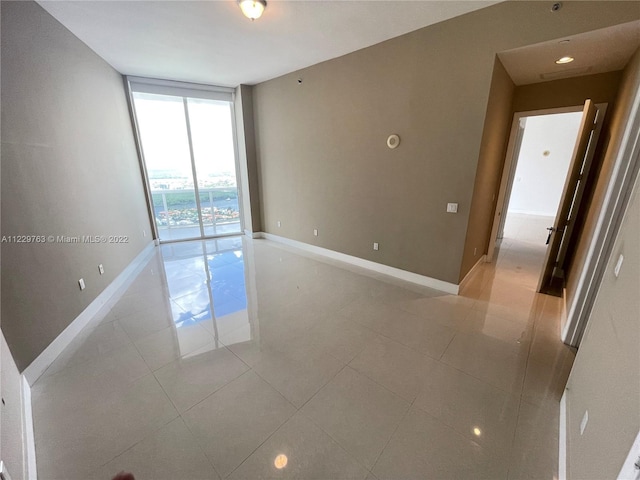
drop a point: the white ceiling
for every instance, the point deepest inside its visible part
(599, 51)
(212, 42)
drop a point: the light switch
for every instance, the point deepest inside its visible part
(452, 208)
(616, 270)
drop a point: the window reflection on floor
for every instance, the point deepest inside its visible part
(206, 280)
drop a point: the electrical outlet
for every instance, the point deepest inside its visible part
(585, 420)
(475, 250)
(279, 223)
(101, 269)
(315, 232)
(452, 208)
(144, 233)
(81, 283)
(376, 246)
(616, 269)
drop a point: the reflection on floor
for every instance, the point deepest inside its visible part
(183, 232)
(531, 231)
(527, 228)
(307, 369)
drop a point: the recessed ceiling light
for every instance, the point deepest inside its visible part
(563, 60)
(281, 461)
(252, 8)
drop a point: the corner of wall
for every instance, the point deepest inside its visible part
(16, 435)
(246, 138)
(493, 149)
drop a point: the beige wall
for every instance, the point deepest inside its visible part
(495, 136)
(601, 88)
(321, 144)
(69, 167)
(605, 379)
(246, 145)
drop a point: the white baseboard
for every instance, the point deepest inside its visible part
(533, 213)
(562, 439)
(467, 277)
(251, 234)
(62, 341)
(367, 264)
(4, 473)
(18, 455)
(29, 438)
(629, 469)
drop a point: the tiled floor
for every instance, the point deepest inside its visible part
(527, 228)
(243, 359)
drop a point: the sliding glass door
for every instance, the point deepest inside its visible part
(214, 157)
(187, 141)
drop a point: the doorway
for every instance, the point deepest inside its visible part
(540, 170)
(547, 165)
(187, 141)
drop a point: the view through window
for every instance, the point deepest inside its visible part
(188, 148)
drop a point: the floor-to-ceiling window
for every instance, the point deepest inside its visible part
(188, 146)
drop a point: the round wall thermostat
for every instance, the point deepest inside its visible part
(393, 141)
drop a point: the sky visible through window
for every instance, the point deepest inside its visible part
(164, 135)
(163, 132)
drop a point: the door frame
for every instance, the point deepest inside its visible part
(509, 170)
(624, 175)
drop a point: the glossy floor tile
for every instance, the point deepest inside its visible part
(358, 412)
(476, 410)
(246, 359)
(169, 453)
(237, 419)
(424, 448)
(300, 449)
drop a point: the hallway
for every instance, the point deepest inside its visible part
(239, 358)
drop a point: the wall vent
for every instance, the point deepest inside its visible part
(570, 72)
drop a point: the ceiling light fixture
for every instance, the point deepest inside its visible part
(281, 461)
(252, 8)
(563, 60)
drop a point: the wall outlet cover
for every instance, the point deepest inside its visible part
(616, 269)
(585, 420)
